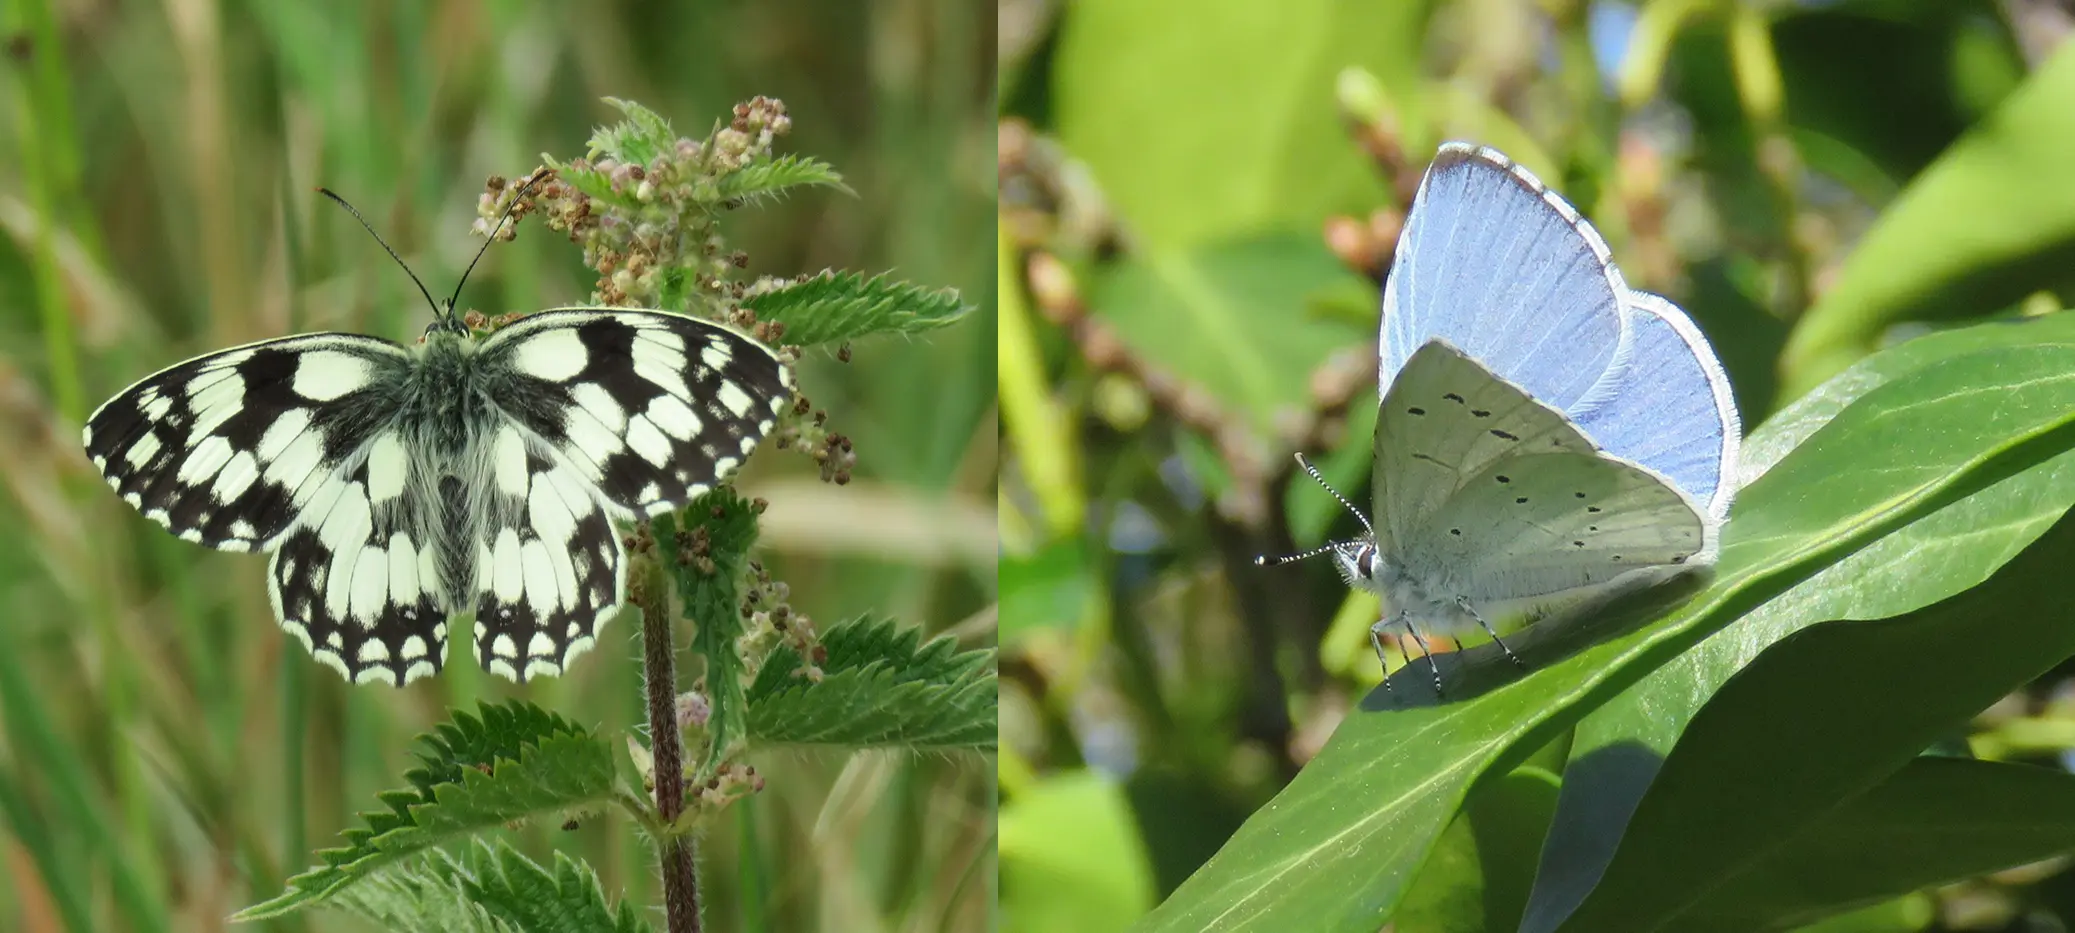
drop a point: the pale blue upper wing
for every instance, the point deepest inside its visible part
(1671, 409)
(1502, 268)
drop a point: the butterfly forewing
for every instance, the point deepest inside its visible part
(648, 407)
(399, 486)
(227, 449)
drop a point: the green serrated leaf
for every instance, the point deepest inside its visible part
(593, 183)
(637, 140)
(539, 764)
(713, 604)
(489, 888)
(528, 896)
(415, 898)
(837, 306)
(882, 686)
(769, 178)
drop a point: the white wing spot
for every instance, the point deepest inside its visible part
(592, 398)
(541, 645)
(413, 647)
(503, 668)
(507, 573)
(373, 650)
(504, 647)
(403, 570)
(647, 441)
(662, 367)
(236, 476)
(387, 465)
(736, 400)
(156, 409)
(287, 426)
(663, 339)
(594, 440)
(675, 417)
(216, 403)
(542, 666)
(541, 593)
(555, 354)
(207, 457)
(418, 669)
(323, 375)
(139, 454)
(370, 583)
(332, 660)
(508, 459)
(716, 355)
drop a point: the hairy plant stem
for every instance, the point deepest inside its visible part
(676, 853)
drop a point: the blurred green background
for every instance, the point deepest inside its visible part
(1197, 199)
(161, 736)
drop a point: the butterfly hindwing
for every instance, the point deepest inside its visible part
(358, 579)
(648, 407)
(1443, 421)
(548, 561)
(1560, 524)
(226, 449)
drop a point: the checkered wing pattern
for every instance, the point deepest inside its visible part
(396, 487)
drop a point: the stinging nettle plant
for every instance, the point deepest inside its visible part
(644, 206)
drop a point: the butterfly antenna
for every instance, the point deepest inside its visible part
(327, 192)
(1266, 561)
(1308, 468)
(520, 195)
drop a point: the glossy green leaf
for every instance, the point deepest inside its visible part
(1990, 222)
(1618, 747)
(1205, 120)
(1782, 769)
(1479, 874)
(1315, 859)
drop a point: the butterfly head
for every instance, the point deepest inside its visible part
(444, 320)
(1357, 561)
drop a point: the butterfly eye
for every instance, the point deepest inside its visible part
(1366, 562)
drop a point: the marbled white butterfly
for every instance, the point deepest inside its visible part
(396, 486)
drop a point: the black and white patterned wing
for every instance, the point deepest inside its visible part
(611, 413)
(290, 446)
(359, 578)
(228, 449)
(650, 408)
(547, 561)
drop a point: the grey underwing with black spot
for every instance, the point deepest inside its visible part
(397, 486)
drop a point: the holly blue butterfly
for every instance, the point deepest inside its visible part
(1547, 437)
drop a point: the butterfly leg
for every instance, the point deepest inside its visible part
(1426, 651)
(1376, 641)
(1464, 605)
